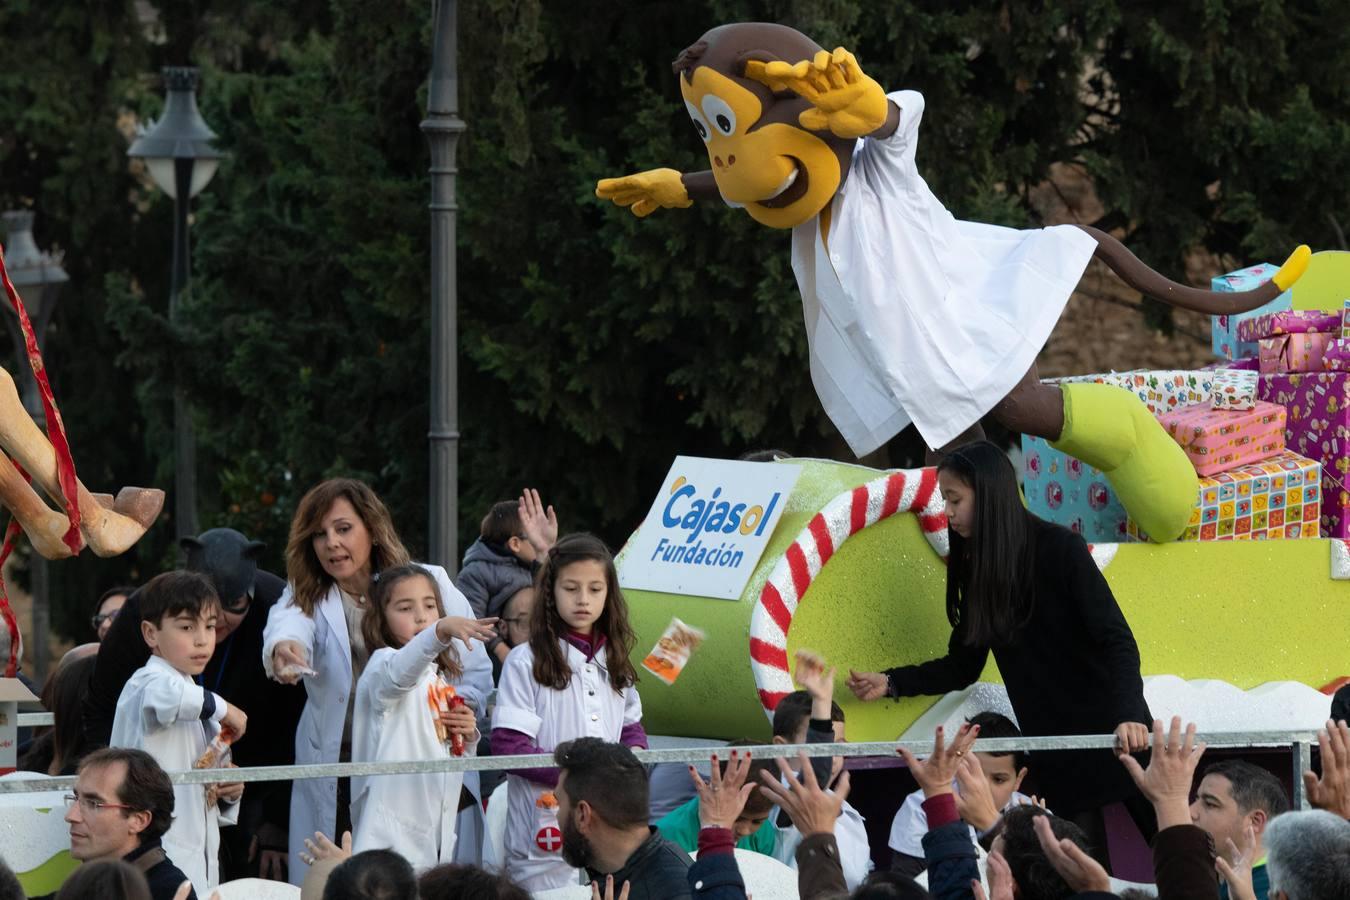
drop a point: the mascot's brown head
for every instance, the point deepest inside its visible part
(762, 158)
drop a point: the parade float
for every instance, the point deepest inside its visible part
(1240, 622)
(1214, 499)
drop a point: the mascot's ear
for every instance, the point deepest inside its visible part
(189, 544)
(253, 549)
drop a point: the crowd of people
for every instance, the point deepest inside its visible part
(361, 654)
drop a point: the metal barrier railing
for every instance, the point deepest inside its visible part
(1300, 742)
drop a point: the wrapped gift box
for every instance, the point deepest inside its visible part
(1318, 427)
(1160, 390)
(1291, 321)
(1216, 440)
(1276, 499)
(1069, 492)
(1224, 329)
(1234, 389)
(1336, 358)
(1293, 352)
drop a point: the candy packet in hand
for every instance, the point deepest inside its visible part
(217, 753)
(296, 670)
(442, 698)
(671, 653)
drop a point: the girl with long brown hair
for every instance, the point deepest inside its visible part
(412, 658)
(342, 535)
(573, 679)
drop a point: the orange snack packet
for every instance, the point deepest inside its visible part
(217, 754)
(443, 698)
(671, 653)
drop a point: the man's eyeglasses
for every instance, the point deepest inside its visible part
(98, 620)
(89, 806)
(513, 620)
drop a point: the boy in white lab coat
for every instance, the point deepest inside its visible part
(165, 713)
(812, 717)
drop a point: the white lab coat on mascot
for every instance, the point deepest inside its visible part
(587, 707)
(912, 315)
(413, 815)
(159, 711)
(318, 737)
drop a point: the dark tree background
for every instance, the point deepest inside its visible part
(594, 347)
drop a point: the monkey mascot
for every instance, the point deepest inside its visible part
(912, 315)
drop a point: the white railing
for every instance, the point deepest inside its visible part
(1300, 742)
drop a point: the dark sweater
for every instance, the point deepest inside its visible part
(657, 870)
(1073, 669)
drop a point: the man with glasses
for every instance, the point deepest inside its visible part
(257, 846)
(121, 807)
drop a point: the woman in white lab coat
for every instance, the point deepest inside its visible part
(394, 721)
(340, 536)
(573, 679)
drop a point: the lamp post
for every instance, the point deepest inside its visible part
(442, 127)
(38, 277)
(178, 152)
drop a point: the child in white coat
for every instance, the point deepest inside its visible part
(165, 713)
(573, 679)
(413, 651)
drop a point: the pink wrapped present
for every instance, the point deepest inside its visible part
(1217, 439)
(1293, 352)
(1289, 321)
(1336, 358)
(1318, 427)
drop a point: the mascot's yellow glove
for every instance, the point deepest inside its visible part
(846, 102)
(646, 191)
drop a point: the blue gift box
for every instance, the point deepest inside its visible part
(1225, 328)
(1062, 489)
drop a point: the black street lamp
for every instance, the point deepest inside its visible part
(179, 154)
(38, 277)
(442, 127)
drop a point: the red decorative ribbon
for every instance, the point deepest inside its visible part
(65, 466)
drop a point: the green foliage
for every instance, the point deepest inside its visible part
(593, 346)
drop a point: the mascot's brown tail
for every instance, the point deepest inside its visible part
(1150, 283)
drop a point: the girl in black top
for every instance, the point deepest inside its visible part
(1030, 591)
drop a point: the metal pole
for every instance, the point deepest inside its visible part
(185, 437)
(442, 127)
(1302, 763)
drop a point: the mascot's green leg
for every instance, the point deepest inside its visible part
(1111, 429)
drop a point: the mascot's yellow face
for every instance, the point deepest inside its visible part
(781, 174)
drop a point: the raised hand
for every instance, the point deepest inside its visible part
(1080, 872)
(322, 847)
(1238, 874)
(466, 629)
(1000, 880)
(812, 808)
(722, 797)
(846, 102)
(1171, 769)
(539, 524)
(609, 890)
(935, 773)
(646, 192)
(1332, 791)
(814, 677)
(974, 797)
